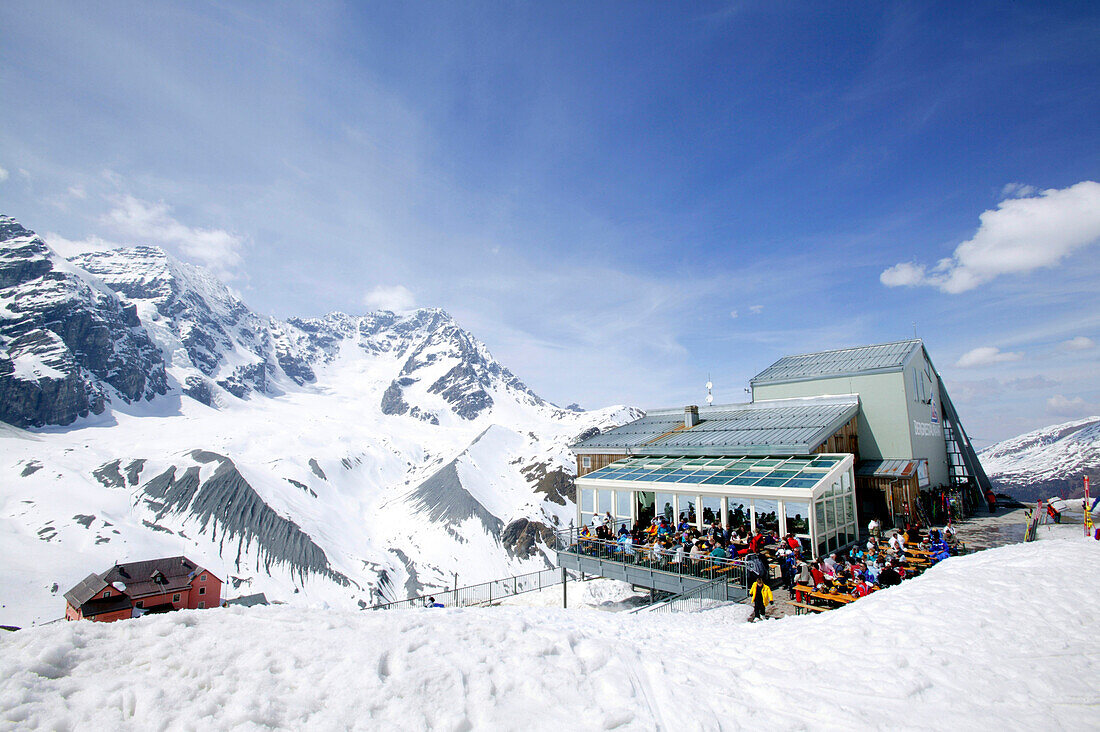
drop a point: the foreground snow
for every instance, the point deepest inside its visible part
(1005, 638)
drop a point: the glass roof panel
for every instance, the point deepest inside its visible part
(718, 480)
(744, 480)
(769, 463)
(782, 474)
(771, 482)
(800, 483)
(694, 478)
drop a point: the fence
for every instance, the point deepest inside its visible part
(734, 571)
(481, 594)
(702, 597)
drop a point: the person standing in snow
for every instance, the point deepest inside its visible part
(991, 500)
(761, 596)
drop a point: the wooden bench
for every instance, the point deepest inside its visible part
(801, 608)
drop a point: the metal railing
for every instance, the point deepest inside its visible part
(572, 541)
(702, 597)
(484, 593)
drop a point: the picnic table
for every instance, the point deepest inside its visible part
(810, 592)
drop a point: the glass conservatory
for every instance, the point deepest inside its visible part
(812, 496)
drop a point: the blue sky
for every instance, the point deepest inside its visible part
(620, 199)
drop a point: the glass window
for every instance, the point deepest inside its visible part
(665, 506)
(819, 517)
(202, 578)
(107, 594)
(712, 509)
(202, 604)
(767, 514)
(622, 504)
(605, 501)
(686, 507)
(586, 461)
(176, 597)
(202, 590)
(587, 496)
(830, 514)
(798, 517)
(738, 511)
(139, 603)
(846, 481)
(586, 519)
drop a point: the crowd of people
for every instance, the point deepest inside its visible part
(683, 544)
(881, 562)
(858, 571)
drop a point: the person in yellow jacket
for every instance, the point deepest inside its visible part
(761, 596)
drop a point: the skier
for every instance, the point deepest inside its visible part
(761, 596)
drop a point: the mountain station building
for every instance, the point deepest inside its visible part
(829, 440)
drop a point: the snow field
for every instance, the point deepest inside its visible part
(1002, 639)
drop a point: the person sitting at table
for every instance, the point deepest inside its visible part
(626, 544)
(697, 551)
(889, 576)
(817, 573)
(897, 543)
(623, 530)
(678, 555)
(718, 552)
(860, 589)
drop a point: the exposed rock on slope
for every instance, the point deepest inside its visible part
(68, 345)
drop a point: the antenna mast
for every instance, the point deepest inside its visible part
(710, 395)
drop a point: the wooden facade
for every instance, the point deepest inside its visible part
(595, 462)
(846, 439)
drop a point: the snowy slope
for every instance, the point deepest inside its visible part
(1049, 461)
(338, 460)
(950, 648)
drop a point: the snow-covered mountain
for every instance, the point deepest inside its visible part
(1046, 462)
(340, 459)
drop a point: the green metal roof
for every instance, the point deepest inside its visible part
(881, 357)
(776, 426)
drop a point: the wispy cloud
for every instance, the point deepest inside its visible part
(390, 297)
(1080, 343)
(1021, 235)
(69, 248)
(1069, 407)
(986, 356)
(1017, 190)
(153, 223)
(3, 175)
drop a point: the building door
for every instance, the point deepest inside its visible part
(646, 511)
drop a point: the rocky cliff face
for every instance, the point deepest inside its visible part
(68, 345)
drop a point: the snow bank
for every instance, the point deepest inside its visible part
(1005, 638)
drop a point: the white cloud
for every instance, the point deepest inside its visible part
(1080, 343)
(1060, 406)
(1020, 235)
(3, 175)
(78, 191)
(69, 248)
(733, 313)
(390, 297)
(756, 309)
(986, 356)
(903, 274)
(216, 249)
(1018, 190)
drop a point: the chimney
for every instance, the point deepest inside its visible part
(691, 416)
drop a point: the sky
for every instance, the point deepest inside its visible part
(621, 200)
